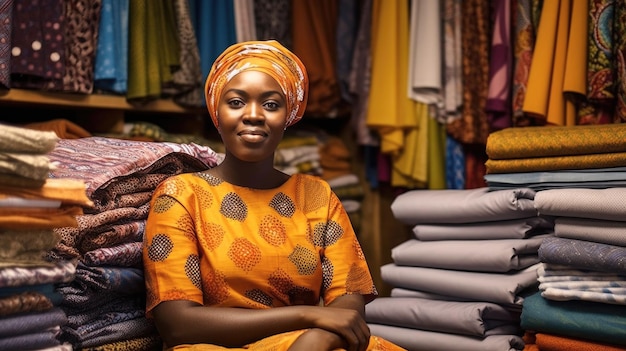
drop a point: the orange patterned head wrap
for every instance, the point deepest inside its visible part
(265, 56)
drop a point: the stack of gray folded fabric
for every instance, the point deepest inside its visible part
(460, 281)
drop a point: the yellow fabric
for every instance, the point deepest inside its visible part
(410, 168)
(204, 243)
(390, 110)
(39, 218)
(265, 56)
(558, 63)
(576, 62)
(556, 107)
(282, 342)
(523, 142)
(540, 75)
(68, 191)
(537, 164)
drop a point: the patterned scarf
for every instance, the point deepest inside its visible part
(265, 56)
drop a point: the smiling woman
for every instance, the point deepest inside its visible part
(243, 255)
(252, 116)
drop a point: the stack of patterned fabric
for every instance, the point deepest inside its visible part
(299, 153)
(581, 302)
(463, 278)
(105, 302)
(585, 156)
(31, 206)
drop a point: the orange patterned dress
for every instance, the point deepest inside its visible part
(219, 244)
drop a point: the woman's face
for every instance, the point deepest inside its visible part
(252, 114)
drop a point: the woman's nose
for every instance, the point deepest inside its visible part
(254, 111)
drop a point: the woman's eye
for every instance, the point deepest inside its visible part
(272, 106)
(235, 103)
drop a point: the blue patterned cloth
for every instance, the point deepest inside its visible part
(111, 64)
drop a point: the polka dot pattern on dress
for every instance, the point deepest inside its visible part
(192, 270)
(160, 247)
(283, 205)
(233, 207)
(259, 296)
(273, 230)
(304, 259)
(244, 254)
(214, 287)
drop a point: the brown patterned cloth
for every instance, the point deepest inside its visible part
(318, 52)
(526, 142)
(187, 80)
(526, 22)
(620, 51)
(472, 127)
(81, 37)
(105, 229)
(148, 343)
(28, 301)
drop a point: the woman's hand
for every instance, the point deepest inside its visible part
(348, 324)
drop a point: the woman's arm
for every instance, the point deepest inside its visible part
(355, 336)
(186, 322)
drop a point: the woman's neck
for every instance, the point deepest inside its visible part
(258, 175)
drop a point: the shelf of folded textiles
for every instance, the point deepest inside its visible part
(91, 101)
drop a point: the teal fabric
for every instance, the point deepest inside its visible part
(579, 319)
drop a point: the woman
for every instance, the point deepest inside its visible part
(243, 255)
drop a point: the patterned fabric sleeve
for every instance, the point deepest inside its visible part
(345, 268)
(170, 251)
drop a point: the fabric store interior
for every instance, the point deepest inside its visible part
(477, 146)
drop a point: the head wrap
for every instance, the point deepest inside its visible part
(265, 56)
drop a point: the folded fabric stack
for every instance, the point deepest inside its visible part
(31, 206)
(582, 156)
(581, 302)
(299, 153)
(105, 302)
(461, 281)
(350, 192)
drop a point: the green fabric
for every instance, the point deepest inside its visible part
(578, 319)
(153, 48)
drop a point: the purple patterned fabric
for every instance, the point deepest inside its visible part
(6, 16)
(123, 255)
(103, 229)
(32, 322)
(126, 330)
(60, 272)
(125, 280)
(582, 254)
(101, 162)
(110, 311)
(38, 51)
(38, 340)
